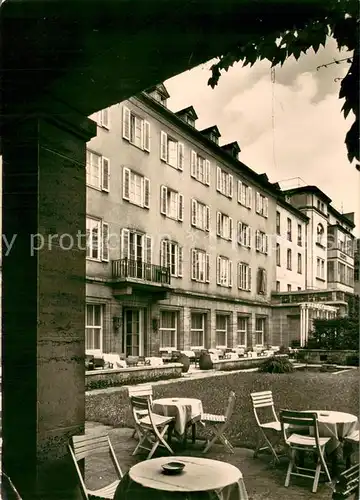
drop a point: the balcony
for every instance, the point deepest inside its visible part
(129, 276)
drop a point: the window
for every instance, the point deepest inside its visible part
(350, 276)
(331, 270)
(171, 255)
(278, 229)
(299, 235)
(136, 130)
(224, 272)
(242, 330)
(244, 235)
(320, 268)
(261, 281)
(200, 168)
(200, 266)
(159, 97)
(299, 263)
(200, 215)
(224, 226)
(171, 203)
(262, 203)
(261, 242)
(224, 182)
(97, 239)
(289, 288)
(244, 276)
(168, 328)
(197, 330)
(288, 259)
(289, 229)
(136, 248)
(244, 194)
(299, 288)
(171, 151)
(277, 286)
(97, 171)
(278, 256)
(259, 331)
(214, 138)
(320, 234)
(342, 273)
(341, 241)
(136, 188)
(222, 329)
(102, 118)
(94, 327)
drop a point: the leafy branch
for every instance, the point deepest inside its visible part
(340, 21)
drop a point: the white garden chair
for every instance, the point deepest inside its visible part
(261, 401)
(219, 424)
(141, 391)
(300, 443)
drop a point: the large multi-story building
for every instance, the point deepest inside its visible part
(185, 243)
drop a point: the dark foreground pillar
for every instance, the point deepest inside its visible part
(43, 299)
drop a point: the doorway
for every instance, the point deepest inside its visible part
(133, 338)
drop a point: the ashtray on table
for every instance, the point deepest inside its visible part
(173, 467)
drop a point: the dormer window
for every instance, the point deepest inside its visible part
(188, 115)
(232, 148)
(159, 93)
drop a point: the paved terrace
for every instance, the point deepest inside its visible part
(262, 481)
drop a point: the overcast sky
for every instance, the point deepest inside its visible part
(305, 138)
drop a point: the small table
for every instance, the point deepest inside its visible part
(185, 411)
(201, 479)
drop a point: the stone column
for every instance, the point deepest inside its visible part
(43, 288)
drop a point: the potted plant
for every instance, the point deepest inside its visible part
(185, 361)
(205, 362)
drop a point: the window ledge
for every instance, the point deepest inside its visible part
(320, 245)
(320, 279)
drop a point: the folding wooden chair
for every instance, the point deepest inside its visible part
(219, 424)
(261, 401)
(143, 391)
(347, 485)
(152, 428)
(81, 447)
(351, 444)
(300, 442)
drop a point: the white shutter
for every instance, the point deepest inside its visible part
(105, 174)
(257, 239)
(218, 263)
(180, 261)
(239, 191)
(207, 172)
(266, 207)
(218, 179)
(193, 212)
(147, 249)
(146, 192)
(180, 207)
(105, 118)
(238, 275)
(126, 123)
(207, 268)
(231, 186)
(146, 136)
(181, 156)
(126, 183)
(207, 223)
(239, 233)
(249, 235)
(125, 240)
(258, 201)
(193, 164)
(163, 253)
(193, 263)
(230, 276)
(163, 146)
(249, 279)
(218, 223)
(163, 200)
(230, 229)
(105, 242)
(266, 243)
(249, 197)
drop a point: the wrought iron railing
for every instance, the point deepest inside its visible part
(296, 298)
(127, 268)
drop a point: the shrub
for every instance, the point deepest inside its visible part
(185, 361)
(335, 359)
(352, 360)
(276, 365)
(283, 350)
(301, 356)
(205, 362)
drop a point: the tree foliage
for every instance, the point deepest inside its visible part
(340, 21)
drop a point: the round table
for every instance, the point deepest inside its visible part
(184, 410)
(201, 479)
(336, 425)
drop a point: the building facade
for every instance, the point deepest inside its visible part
(179, 235)
(187, 247)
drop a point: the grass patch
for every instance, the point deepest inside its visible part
(297, 391)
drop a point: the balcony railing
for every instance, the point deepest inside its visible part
(137, 269)
(296, 298)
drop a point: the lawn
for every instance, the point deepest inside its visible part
(302, 391)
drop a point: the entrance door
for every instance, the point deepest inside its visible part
(133, 332)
